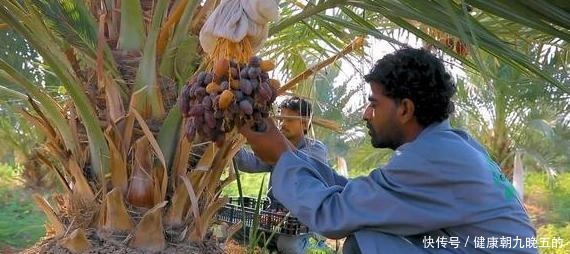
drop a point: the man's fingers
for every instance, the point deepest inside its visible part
(246, 131)
(267, 145)
(271, 124)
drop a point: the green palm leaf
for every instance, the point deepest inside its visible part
(147, 100)
(132, 35)
(71, 20)
(29, 24)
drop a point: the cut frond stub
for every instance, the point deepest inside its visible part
(149, 233)
(76, 242)
(54, 222)
(117, 216)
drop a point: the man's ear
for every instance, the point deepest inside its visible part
(406, 110)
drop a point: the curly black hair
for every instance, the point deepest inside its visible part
(419, 76)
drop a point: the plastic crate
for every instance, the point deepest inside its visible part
(271, 217)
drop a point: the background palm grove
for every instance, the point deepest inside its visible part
(88, 122)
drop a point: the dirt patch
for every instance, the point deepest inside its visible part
(7, 249)
(100, 245)
(538, 214)
(538, 208)
(231, 247)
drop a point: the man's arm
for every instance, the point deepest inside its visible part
(385, 200)
(247, 162)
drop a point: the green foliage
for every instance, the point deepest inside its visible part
(72, 21)
(552, 196)
(21, 224)
(365, 158)
(17, 53)
(530, 121)
(313, 247)
(254, 233)
(552, 231)
(16, 135)
(29, 23)
(550, 200)
(8, 174)
(332, 103)
(132, 35)
(560, 196)
(18, 138)
(250, 184)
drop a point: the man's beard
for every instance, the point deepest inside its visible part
(384, 141)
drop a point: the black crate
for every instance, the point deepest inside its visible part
(271, 217)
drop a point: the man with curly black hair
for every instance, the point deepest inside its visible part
(439, 193)
(412, 84)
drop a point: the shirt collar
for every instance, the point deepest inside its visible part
(302, 143)
(434, 127)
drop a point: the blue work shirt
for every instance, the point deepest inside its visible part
(247, 161)
(442, 184)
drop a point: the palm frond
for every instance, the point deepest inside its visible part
(437, 15)
(49, 106)
(29, 24)
(6, 92)
(531, 14)
(149, 102)
(181, 58)
(132, 34)
(71, 20)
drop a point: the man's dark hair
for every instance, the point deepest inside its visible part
(297, 104)
(419, 76)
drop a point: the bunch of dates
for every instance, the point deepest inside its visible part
(231, 95)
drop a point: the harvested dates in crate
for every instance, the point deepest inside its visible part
(231, 95)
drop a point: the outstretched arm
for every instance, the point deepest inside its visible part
(385, 200)
(247, 162)
(399, 201)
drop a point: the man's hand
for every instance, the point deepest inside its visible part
(268, 145)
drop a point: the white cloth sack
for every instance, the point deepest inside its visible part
(236, 19)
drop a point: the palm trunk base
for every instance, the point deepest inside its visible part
(116, 244)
